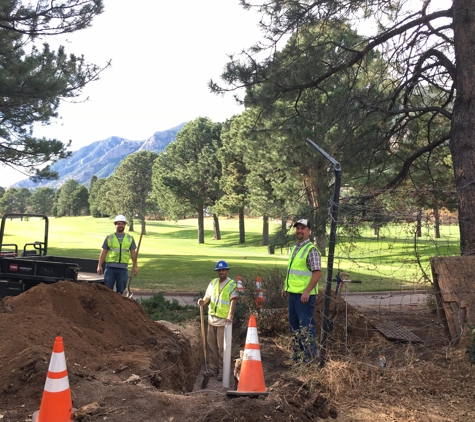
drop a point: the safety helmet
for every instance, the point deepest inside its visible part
(221, 265)
(120, 218)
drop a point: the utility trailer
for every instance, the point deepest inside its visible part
(22, 269)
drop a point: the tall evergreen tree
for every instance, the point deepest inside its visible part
(132, 185)
(41, 200)
(188, 171)
(417, 43)
(34, 78)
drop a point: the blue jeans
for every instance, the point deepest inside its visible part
(116, 276)
(302, 327)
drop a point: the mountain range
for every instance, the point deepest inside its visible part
(101, 158)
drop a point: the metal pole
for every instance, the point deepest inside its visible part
(326, 328)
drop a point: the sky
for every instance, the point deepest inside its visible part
(163, 54)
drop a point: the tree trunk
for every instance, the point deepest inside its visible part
(242, 232)
(131, 225)
(319, 232)
(462, 144)
(201, 225)
(217, 232)
(265, 230)
(419, 224)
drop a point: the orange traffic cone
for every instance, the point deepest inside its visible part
(239, 285)
(259, 300)
(251, 379)
(56, 404)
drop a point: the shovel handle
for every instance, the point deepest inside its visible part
(203, 332)
(127, 292)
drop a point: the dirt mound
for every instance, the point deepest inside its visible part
(106, 337)
(119, 361)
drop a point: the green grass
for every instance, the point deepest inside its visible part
(171, 260)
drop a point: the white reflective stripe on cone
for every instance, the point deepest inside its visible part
(252, 336)
(58, 362)
(56, 385)
(251, 354)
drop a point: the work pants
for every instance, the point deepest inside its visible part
(215, 349)
(114, 276)
(302, 327)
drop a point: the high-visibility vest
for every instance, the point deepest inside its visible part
(220, 302)
(119, 253)
(298, 274)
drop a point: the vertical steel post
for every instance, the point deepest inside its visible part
(331, 252)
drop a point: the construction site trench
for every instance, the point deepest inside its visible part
(122, 366)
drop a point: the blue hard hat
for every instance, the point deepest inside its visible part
(221, 265)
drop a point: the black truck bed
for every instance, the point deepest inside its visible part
(20, 274)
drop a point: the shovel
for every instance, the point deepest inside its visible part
(206, 374)
(127, 292)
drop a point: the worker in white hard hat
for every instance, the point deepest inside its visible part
(117, 250)
(221, 295)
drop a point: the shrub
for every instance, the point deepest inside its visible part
(271, 313)
(159, 308)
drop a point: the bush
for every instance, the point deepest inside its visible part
(159, 308)
(271, 313)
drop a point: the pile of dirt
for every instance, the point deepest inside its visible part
(124, 367)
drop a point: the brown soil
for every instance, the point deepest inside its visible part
(124, 367)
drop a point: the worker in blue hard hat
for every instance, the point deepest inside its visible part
(221, 295)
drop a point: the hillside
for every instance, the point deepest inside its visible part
(101, 158)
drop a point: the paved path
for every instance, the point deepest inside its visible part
(395, 298)
(385, 298)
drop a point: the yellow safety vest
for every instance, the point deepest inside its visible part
(298, 274)
(119, 253)
(220, 302)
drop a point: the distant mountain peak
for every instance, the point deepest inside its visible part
(100, 158)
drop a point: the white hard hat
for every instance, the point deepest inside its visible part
(120, 218)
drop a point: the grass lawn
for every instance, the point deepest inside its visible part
(171, 260)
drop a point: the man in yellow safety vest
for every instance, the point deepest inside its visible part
(301, 284)
(221, 295)
(117, 250)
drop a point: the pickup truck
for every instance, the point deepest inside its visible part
(26, 267)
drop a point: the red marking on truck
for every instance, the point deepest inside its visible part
(13, 267)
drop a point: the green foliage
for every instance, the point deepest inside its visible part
(272, 311)
(158, 308)
(41, 201)
(98, 195)
(132, 181)
(34, 79)
(15, 200)
(186, 175)
(70, 198)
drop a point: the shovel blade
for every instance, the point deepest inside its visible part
(204, 383)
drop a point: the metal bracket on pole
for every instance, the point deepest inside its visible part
(326, 326)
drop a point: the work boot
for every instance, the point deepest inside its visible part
(220, 377)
